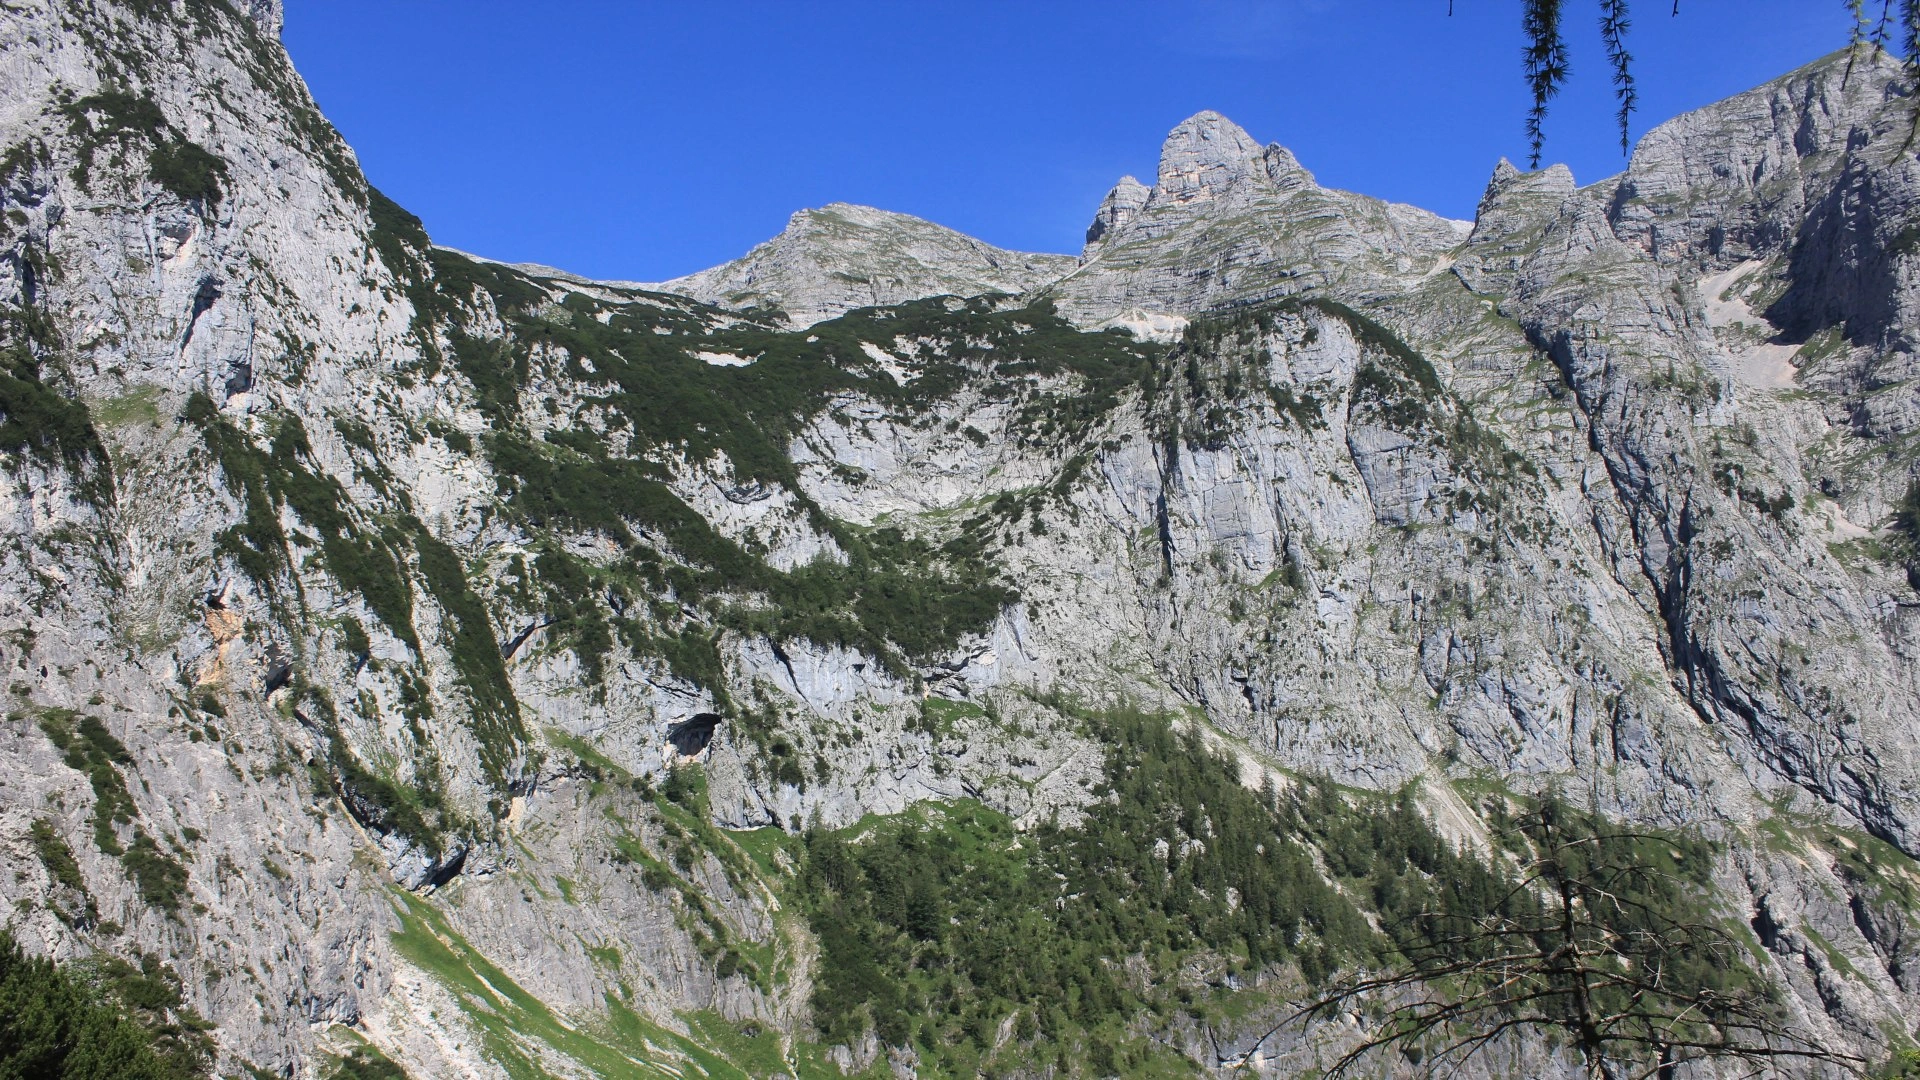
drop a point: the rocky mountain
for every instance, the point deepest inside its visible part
(885, 654)
(829, 261)
(1230, 220)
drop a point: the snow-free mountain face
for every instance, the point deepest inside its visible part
(840, 257)
(889, 652)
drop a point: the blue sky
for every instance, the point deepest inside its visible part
(641, 140)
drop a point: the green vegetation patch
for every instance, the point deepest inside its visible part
(115, 121)
(365, 560)
(93, 751)
(368, 558)
(364, 1063)
(57, 857)
(895, 597)
(940, 927)
(41, 423)
(106, 1020)
(495, 712)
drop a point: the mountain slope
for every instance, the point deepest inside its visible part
(530, 676)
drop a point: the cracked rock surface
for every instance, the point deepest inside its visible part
(1602, 491)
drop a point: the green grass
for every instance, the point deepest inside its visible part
(1867, 863)
(364, 1062)
(513, 1025)
(769, 848)
(516, 1029)
(586, 753)
(137, 407)
(751, 1047)
(939, 716)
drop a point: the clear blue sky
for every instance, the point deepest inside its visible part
(640, 140)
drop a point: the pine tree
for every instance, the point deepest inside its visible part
(1893, 28)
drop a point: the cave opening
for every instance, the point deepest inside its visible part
(692, 735)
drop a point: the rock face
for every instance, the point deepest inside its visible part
(357, 597)
(1121, 205)
(1229, 220)
(840, 257)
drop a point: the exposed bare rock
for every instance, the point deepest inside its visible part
(442, 630)
(1230, 220)
(839, 257)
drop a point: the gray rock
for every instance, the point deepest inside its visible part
(840, 257)
(1593, 494)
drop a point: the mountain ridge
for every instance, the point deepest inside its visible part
(826, 258)
(359, 596)
(835, 258)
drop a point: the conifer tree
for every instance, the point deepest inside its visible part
(1893, 27)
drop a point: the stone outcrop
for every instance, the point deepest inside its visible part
(399, 625)
(840, 257)
(1121, 206)
(1229, 220)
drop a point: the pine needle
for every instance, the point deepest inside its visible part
(1613, 31)
(1855, 38)
(1546, 65)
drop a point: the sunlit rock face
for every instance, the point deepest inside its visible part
(833, 259)
(452, 619)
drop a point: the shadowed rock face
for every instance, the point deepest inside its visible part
(388, 568)
(689, 737)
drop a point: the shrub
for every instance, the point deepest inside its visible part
(58, 1026)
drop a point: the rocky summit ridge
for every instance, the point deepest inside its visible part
(830, 260)
(888, 654)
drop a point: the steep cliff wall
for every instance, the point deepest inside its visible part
(409, 648)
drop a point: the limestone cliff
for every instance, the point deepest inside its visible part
(413, 651)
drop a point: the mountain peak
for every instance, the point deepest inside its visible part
(1121, 205)
(833, 258)
(858, 213)
(1204, 155)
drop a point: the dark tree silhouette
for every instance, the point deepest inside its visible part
(1893, 27)
(1600, 938)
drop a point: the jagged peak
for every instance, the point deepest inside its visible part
(1121, 205)
(1204, 155)
(1507, 178)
